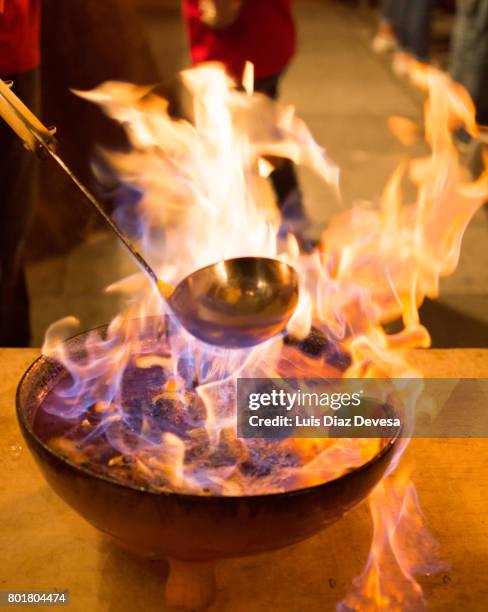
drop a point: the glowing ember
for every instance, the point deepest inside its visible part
(160, 413)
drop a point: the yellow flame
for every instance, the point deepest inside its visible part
(203, 199)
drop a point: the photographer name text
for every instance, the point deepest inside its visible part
(324, 421)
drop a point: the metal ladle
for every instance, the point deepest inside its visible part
(234, 303)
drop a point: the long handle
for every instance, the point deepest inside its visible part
(38, 139)
(23, 122)
(94, 202)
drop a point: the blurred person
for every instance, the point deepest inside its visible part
(385, 39)
(469, 53)
(19, 62)
(412, 21)
(233, 32)
(469, 67)
(113, 47)
(84, 43)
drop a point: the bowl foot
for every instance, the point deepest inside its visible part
(190, 586)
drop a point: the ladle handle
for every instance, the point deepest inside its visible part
(94, 202)
(39, 139)
(23, 122)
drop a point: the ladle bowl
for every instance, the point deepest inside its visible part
(237, 303)
(234, 303)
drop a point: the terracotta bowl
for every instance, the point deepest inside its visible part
(192, 531)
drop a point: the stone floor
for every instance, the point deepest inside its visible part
(345, 93)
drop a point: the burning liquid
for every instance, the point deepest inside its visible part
(154, 434)
(198, 193)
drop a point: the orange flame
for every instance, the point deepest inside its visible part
(204, 197)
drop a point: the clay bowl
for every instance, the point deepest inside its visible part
(192, 531)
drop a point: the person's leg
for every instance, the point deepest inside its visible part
(418, 29)
(387, 8)
(469, 67)
(469, 53)
(398, 11)
(284, 177)
(17, 193)
(268, 86)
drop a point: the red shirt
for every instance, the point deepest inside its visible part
(263, 34)
(19, 35)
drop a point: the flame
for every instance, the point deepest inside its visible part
(199, 194)
(402, 547)
(404, 129)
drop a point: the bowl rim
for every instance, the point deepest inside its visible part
(44, 360)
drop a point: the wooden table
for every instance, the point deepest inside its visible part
(44, 545)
